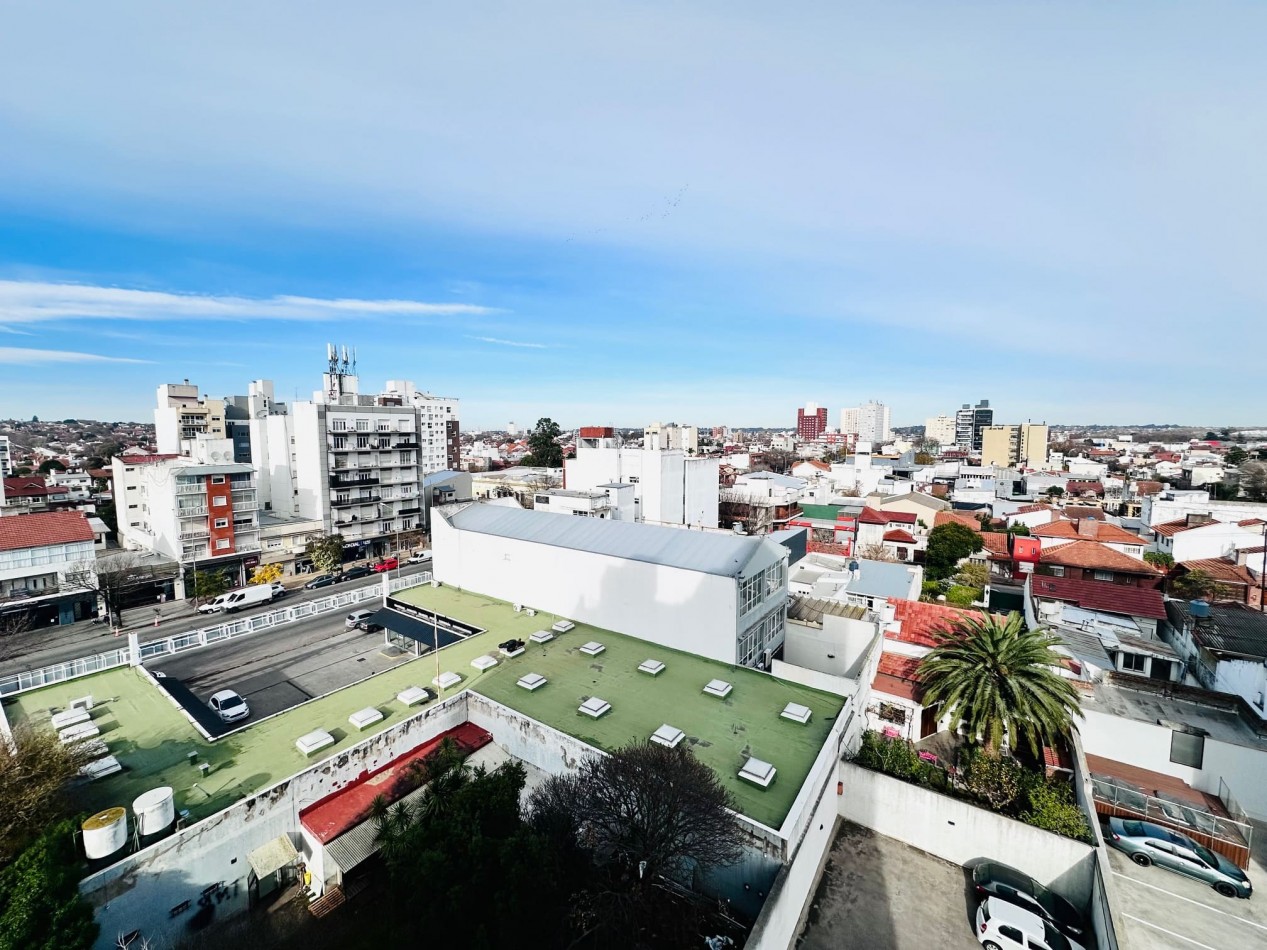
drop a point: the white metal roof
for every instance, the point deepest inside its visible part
(724, 554)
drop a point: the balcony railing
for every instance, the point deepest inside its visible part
(337, 482)
(350, 502)
(194, 511)
(244, 485)
(183, 488)
(195, 535)
(245, 506)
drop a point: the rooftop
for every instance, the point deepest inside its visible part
(1150, 701)
(1093, 554)
(1100, 595)
(922, 622)
(1230, 629)
(719, 553)
(43, 529)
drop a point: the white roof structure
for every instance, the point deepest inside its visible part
(706, 552)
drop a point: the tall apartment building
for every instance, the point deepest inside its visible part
(659, 436)
(352, 460)
(869, 423)
(6, 458)
(941, 429)
(811, 421)
(670, 487)
(200, 510)
(969, 423)
(1010, 445)
(182, 415)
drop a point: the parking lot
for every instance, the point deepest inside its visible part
(1168, 911)
(881, 894)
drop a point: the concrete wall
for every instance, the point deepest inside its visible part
(960, 832)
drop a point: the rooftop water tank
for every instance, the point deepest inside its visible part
(1199, 609)
(155, 811)
(105, 832)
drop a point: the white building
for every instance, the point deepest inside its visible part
(941, 429)
(659, 436)
(36, 553)
(615, 502)
(355, 462)
(869, 423)
(182, 415)
(200, 510)
(6, 461)
(1173, 505)
(713, 593)
(669, 486)
(78, 485)
(1198, 537)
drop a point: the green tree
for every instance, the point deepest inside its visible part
(107, 513)
(35, 771)
(50, 465)
(1254, 480)
(1195, 584)
(1160, 559)
(1051, 806)
(999, 680)
(326, 552)
(1235, 455)
(1055, 492)
(1018, 528)
(266, 574)
(210, 584)
(543, 445)
(948, 544)
(973, 575)
(40, 905)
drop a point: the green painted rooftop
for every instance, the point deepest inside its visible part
(152, 739)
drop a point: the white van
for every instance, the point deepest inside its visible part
(235, 600)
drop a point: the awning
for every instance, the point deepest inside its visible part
(418, 630)
(272, 857)
(354, 847)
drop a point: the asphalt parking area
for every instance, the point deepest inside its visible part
(878, 893)
(1168, 911)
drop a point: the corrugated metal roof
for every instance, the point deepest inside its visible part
(813, 609)
(354, 847)
(706, 552)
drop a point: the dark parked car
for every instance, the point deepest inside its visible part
(1147, 844)
(354, 573)
(325, 580)
(1016, 887)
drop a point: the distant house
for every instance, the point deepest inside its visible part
(1225, 647)
(1111, 536)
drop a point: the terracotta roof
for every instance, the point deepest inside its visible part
(146, 459)
(957, 517)
(39, 530)
(1078, 486)
(1148, 487)
(1168, 529)
(1088, 529)
(819, 464)
(1100, 595)
(920, 621)
(1221, 570)
(1093, 554)
(872, 516)
(995, 541)
(897, 534)
(1251, 522)
(900, 666)
(1028, 509)
(1084, 511)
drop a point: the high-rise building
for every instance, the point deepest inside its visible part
(869, 423)
(1008, 445)
(940, 429)
(182, 415)
(969, 423)
(811, 422)
(6, 459)
(659, 436)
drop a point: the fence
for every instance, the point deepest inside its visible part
(15, 683)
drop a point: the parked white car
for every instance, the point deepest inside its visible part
(229, 706)
(423, 558)
(1004, 926)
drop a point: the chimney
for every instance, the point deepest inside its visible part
(1088, 528)
(1194, 520)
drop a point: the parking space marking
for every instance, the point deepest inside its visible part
(1147, 923)
(1135, 880)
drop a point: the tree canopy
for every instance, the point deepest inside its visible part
(326, 552)
(543, 444)
(948, 544)
(210, 584)
(998, 679)
(40, 905)
(35, 768)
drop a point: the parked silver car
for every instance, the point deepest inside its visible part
(1148, 843)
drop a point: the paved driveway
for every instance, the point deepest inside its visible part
(880, 894)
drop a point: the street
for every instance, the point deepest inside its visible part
(34, 649)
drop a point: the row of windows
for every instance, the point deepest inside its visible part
(762, 635)
(755, 589)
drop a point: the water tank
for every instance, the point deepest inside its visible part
(105, 832)
(1199, 609)
(155, 811)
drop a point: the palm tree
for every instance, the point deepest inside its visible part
(998, 679)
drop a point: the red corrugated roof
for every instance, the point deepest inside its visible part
(40, 530)
(1101, 595)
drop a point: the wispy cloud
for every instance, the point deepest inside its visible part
(35, 302)
(501, 342)
(23, 357)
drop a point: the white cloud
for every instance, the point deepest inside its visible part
(500, 342)
(13, 355)
(35, 302)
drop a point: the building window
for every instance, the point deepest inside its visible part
(1133, 662)
(222, 522)
(1056, 570)
(217, 479)
(218, 501)
(362, 425)
(1103, 575)
(1187, 749)
(222, 544)
(891, 712)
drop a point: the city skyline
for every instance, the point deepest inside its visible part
(576, 215)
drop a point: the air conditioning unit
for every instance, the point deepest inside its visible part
(434, 582)
(518, 607)
(530, 612)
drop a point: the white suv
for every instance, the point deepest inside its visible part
(1004, 926)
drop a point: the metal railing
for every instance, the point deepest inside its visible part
(205, 636)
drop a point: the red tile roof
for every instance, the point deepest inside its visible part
(872, 516)
(995, 541)
(1083, 511)
(1221, 570)
(900, 666)
(1251, 522)
(1078, 486)
(1148, 487)
(1100, 595)
(956, 517)
(1029, 509)
(897, 534)
(146, 459)
(39, 530)
(921, 622)
(1168, 529)
(898, 675)
(1089, 529)
(1093, 554)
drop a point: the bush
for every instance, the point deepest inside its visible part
(962, 596)
(1052, 808)
(898, 758)
(996, 780)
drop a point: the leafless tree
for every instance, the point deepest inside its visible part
(111, 578)
(875, 552)
(14, 624)
(35, 769)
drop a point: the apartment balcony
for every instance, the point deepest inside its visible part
(193, 511)
(245, 506)
(190, 488)
(246, 484)
(194, 534)
(353, 502)
(337, 482)
(406, 444)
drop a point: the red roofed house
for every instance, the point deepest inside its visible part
(33, 493)
(36, 553)
(1234, 582)
(891, 530)
(1061, 532)
(1199, 537)
(1076, 488)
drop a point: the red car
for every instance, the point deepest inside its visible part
(387, 564)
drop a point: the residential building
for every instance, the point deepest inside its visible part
(200, 510)
(1005, 446)
(970, 422)
(713, 593)
(31, 493)
(855, 580)
(940, 429)
(602, 502)
(890, 531)
(1054, 533)
(1200, 536)
(1224, 646)
(659, 436)
(521, 482)
(77, 485)
(761, 502)
(1234, 581)
(869, 423)
(37, 551)
(182, 415)
(811, 422)
(6, 460)
(670, 487)
(444, 488)
(920, 504)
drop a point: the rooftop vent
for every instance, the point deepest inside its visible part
(594, 707)
(719, 688)
(668, 735)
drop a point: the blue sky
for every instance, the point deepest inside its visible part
(624, 212)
